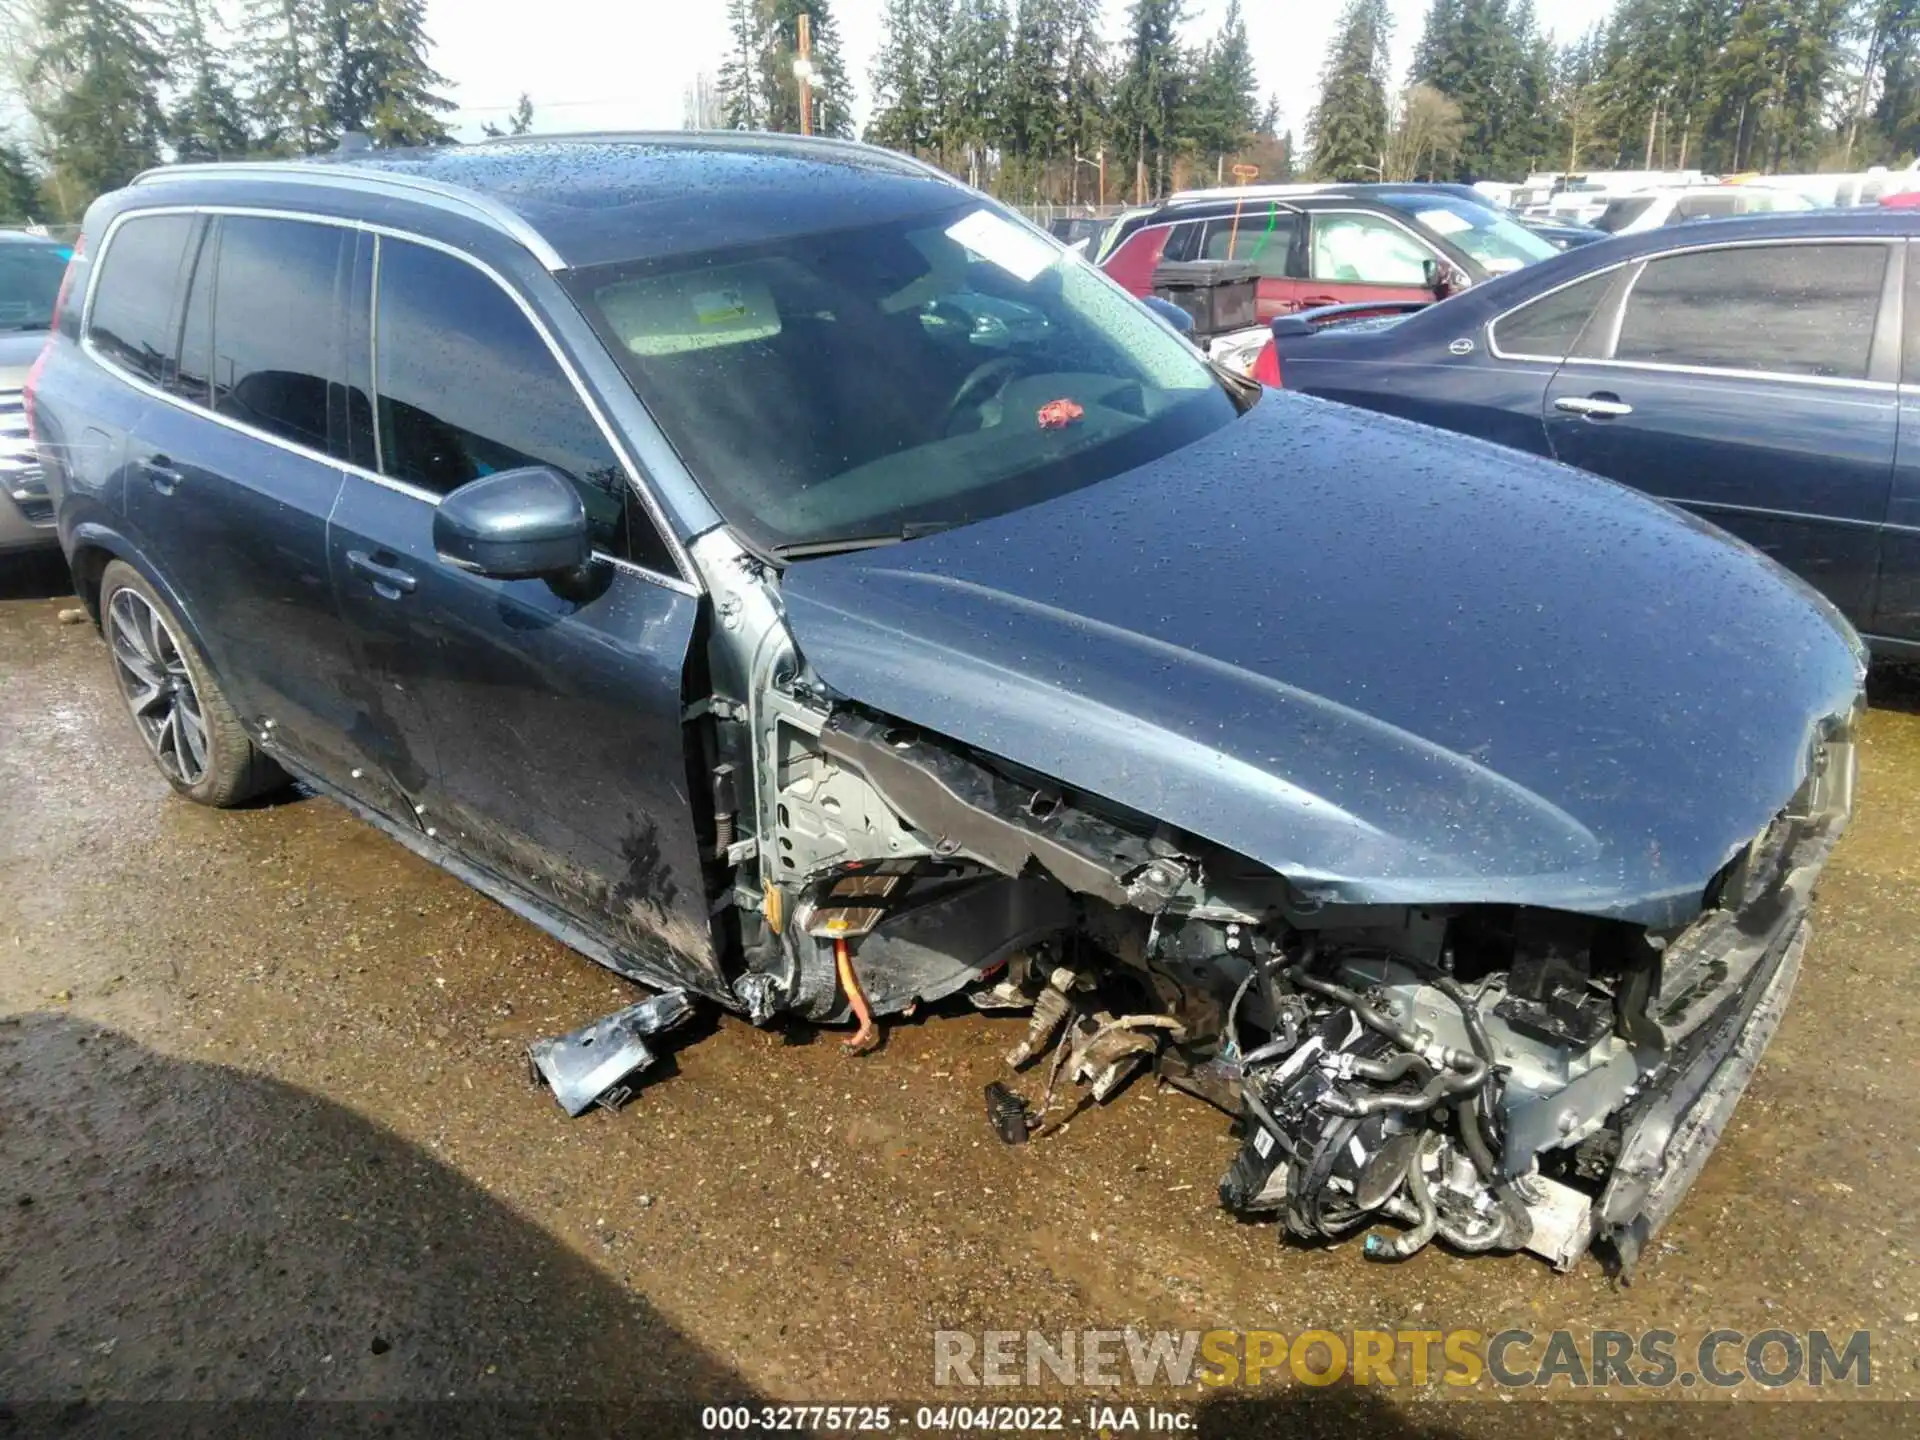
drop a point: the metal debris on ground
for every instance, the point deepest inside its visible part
(1011, 1118)
(595, 1064)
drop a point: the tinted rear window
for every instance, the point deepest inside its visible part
(30, 278)
(277, 323)
(1550, 325)
(133, 300)
(1788, 309)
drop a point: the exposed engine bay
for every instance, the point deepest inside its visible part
(1495, 1077)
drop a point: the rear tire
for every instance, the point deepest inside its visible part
(178, 708)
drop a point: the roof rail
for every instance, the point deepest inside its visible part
(453, 198)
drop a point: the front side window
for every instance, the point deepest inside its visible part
(854, 385)
(133, 300)
(1262, 237)
(1550, 326)
(1787, 309)
(1357, 249)
(30, 276)
(467, 387)
(278, 303)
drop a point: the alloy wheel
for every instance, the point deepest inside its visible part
(154, 678)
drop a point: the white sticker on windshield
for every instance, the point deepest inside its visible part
(1020, 253)
(1444, 222)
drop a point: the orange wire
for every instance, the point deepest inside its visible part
(868, 1035)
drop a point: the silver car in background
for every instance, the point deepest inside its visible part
(31, 269)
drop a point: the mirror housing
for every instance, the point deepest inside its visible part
(1171, 313)
(519, 524)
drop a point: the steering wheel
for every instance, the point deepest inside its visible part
(997, 372)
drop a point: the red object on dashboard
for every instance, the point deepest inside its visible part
(1058, 414)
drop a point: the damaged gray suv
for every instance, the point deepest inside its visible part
(804, 588)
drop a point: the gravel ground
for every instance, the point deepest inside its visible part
(266, 1133)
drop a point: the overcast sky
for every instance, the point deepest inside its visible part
(626, 64)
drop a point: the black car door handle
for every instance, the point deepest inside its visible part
(162, 476)
(1595, 407)
(387, 580)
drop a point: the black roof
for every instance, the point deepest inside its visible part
(606, 197)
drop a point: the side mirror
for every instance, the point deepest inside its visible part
(516, 525)
(1171, 313)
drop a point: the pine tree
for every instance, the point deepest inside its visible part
(1147, 103)
(1347, 132)
(779, 98)
(1034, 99)
(740, 75)
(1221, 117)
(520, 119)
(207, 121)
(901, 115)
(380, 81)
(976, 60)
(100, 67)
(1084, 84)
(19, 187)
(281, 44)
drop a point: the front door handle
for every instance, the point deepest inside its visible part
(388, 581)
(1595, 407)
(162, 476)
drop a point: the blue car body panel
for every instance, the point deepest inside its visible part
(1396, 667)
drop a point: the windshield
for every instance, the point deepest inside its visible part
(869, 383)
(1499, 244)
(30, 278)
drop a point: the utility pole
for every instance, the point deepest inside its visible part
(803, 72)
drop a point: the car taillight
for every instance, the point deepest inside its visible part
(1266, 365)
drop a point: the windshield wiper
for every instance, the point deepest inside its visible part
(14, 326)
(912, 530)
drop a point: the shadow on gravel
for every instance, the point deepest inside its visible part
(1894, 685)
(36, 575)
(182, 1232)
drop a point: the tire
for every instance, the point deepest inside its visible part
(177, 706)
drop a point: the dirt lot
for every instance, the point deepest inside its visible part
(266, 1132)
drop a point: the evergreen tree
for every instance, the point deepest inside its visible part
(1347, 131)
(281, 45)
(1892, 78)
(380, 80)
(901, 114)
(1147, 102)
(1221, 116)
(520, 120)
(747, 27)
(19, 187)
(1084, 84)
(207, 121)
(976, 60)
(100, 68)
(1034, 99)
(779, 98)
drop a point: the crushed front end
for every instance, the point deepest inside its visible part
(1497, 1076)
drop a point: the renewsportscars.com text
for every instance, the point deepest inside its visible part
(1510, 1359)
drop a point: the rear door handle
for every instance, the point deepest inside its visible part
(388, 581)
(1594, 407)
(162, 476)
(1314, 302)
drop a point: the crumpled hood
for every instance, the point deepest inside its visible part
(1397, 666)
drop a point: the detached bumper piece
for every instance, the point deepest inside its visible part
(596, 1064)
